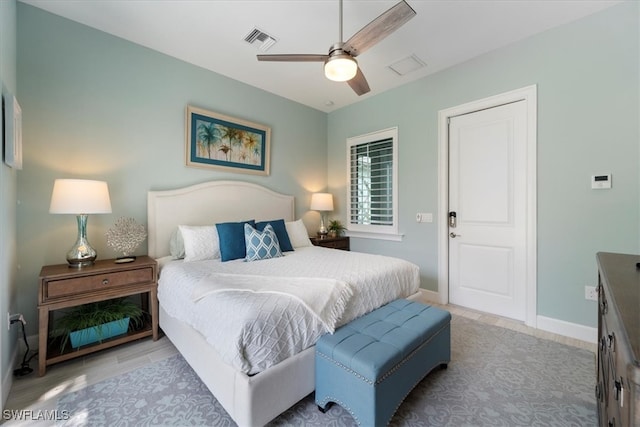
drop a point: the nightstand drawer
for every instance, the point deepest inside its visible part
(340, 242)
(80, 285)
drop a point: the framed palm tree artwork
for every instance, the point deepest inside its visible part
(226, 143)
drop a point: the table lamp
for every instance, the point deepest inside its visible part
(80, 197)
(322, 202)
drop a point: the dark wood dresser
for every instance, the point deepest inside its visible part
(618, 383)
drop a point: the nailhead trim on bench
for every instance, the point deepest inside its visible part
(392, 370)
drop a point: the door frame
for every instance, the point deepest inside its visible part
(529, 95)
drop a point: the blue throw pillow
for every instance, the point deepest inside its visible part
(261, 244)
(231, 237)
(281, 231)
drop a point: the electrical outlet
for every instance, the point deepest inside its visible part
(590, 293)
(13, 318)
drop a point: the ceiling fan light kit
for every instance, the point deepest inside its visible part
(340, 64)
(340, 68)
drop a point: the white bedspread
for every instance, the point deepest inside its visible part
(324, 298)
(255, 330)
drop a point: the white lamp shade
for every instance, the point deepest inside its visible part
(322, 202)
(80, 196)
(340, 68)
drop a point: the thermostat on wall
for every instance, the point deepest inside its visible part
(600, 182)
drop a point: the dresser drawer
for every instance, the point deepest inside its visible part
(79, 285)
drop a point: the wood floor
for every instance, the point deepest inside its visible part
(41, 393)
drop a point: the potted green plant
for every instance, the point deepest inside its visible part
(98, 321)
(335, 228)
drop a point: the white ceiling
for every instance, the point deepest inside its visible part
(210, 34)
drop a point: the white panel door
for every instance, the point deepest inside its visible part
(487, 192)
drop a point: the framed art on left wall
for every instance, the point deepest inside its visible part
(226, 143)
(12, 129)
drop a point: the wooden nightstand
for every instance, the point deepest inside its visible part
(63, 287)
(341, 242)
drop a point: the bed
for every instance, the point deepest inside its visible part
(252, 396)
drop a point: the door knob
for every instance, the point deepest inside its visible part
(454, 235)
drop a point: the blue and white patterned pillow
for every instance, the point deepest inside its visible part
(261, 244)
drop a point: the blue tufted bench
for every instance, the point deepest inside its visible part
(370, 365)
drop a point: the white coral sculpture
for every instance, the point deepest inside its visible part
(126, 235)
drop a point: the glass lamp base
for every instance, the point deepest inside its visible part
(323, 230)
(81, 254)
(75, 263)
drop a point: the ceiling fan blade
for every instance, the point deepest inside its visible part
(293, 58)
(359, 83)
(379, 28)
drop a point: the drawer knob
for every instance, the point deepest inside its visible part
(603, 307)
(105, 282)
(611, 338)
(619, 391)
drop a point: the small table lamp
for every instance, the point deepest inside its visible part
(322, 202)
(80, 197)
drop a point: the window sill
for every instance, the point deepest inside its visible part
(379, 236)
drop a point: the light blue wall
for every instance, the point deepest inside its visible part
(96, 106)
(8, 179)
(588, 76)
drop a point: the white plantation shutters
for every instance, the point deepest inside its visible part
(372, 193)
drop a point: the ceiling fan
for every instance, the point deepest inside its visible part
(340, 64)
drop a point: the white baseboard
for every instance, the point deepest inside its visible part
(568, 329)
(556, 326)
(430, 296)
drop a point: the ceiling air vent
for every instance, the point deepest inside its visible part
(261, 39)
(407, 65)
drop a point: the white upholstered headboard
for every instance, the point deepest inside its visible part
(207, 204)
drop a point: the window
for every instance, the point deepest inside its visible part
(372, 196)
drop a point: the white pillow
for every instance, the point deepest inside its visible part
(200, 242)
(298, 234)
(176, 245)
